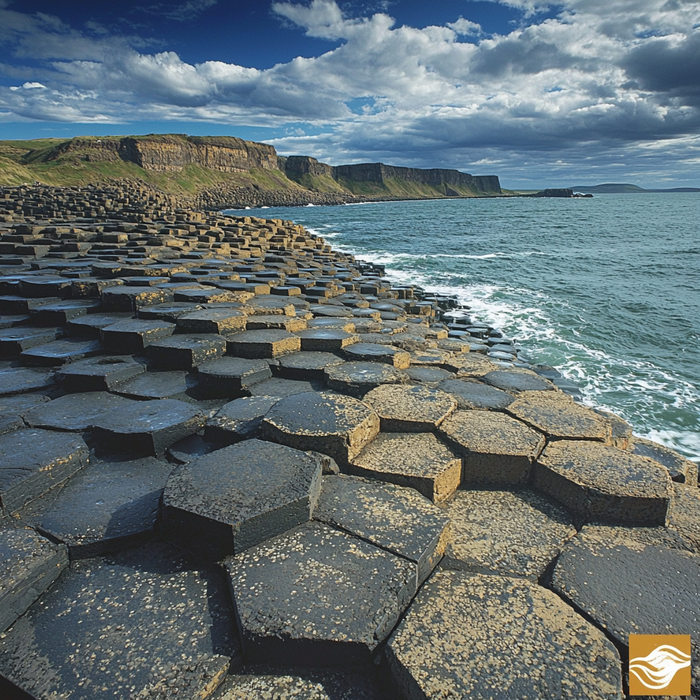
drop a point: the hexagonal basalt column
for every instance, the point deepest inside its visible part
(234, 498)
(515, 381)
(133, 335)
(411, 409)
(559, 417)
(497, 449)
(634, 580)
(418, 460)
(221, 321)
(317, 596)
(471, 394)
(185, 351)
(373, 352)
(99, 373)
(513, 533)
(263, 343)
(306, 365)
(238, 419)
(338, 426)
(232, 376)
(326, 339)
(679, 468)
(394, 518)
(474, 636)
(601, 482)
(357, 378)
(73, 412)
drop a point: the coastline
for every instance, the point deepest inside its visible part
(402, 473)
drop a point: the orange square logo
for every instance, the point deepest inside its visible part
(659, 664)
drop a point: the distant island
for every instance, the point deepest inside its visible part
(217, 172)
(614, 188)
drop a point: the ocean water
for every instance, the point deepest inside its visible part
(607, 290)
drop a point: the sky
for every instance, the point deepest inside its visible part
(540, 94)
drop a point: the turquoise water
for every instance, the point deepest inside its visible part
(607, 290)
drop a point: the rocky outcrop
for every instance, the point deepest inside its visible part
(296, 166)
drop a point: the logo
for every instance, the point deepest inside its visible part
(659, 664)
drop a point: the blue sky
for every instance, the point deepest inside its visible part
(539, 93)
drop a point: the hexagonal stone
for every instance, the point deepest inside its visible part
(110, 505)
(306, 365)
(237, 497)
(511, 533)
(29, 564)
(680, 469)
(326, 339)
(19, 380)
(430, 376)
(238, 419)
(471, 364)
(317, 596)
(73, 411)
(133, 298)
(634, 581)
(557, 415)
(168, 312)
(410, 409)
(13, 341)
(474, 636)
(263, 343)
(418, 460)
(338, 426)
(146, 427)
(156, 385)
(185, 351)
(149, 623)
(394, 518)
(601, 482)
(33, 461)
(231, 376)
(515, 381)
(60, 352)
(620, 430)
(207, 295)
(61, 312)
(357, 378)
(287, 323)
(684, 513)
(14, 408)
(276, 386)
(222, 321)
(497, 449)
(98, 373)
(373, 352)
(90, 326)
(133, 335)
(471, 394)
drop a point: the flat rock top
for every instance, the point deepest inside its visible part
(74, 411)
(513, 533)
(244, 409)
(267, 335)
(411, 403)
(93, 366)
(486, 432)
(148, 416)
(517, 381)
(315, 413)
(607, 469)
(238, 482)
(392, 517)
(472, 394)
(19, 380)
(475, 636)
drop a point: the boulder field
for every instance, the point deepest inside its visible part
(235, 463)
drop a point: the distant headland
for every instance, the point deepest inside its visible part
(614, 188)
(217, 172)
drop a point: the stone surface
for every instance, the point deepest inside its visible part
(263, 343)
(430, 376)
(185, 351)
(73, 411)
(98, 373)
(680, 469)
(474, 636)
(497, 449)
(557, 416)
(601, 482)
(514, 381)
(418, 460)
(306, 365)
(634, 581)
(146, 427)
(338, 426)
(325, 339)
(156, 385)
(150, 623)
(60, 352)
(33, 461)
(239, 419)
(14, 408)
(20, 380)
(684, 513)
(221, 321)
(357, 378)
(235, 498)
(231, 376)
(317, 596)
(471, 394)
(411, 409)
(134, 335)
(391, 517)
(29, 564)
(373, 352)
(110, 505)
(510, 533)
(276, 386)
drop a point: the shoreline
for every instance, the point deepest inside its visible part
(202, 413)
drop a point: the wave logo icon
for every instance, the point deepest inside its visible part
(659, 664)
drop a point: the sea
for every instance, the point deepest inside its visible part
(604, 289)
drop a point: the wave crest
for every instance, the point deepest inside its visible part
(658, 668)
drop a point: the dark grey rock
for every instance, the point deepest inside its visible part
(238, 419)
(516, 381)
(170, 312)
(306, 365)
(74, 412)
(134, 335)
(20, 380)
(185, 351)
(134, 298)
(61, 312)
(60, 352)
(680, 469)
(98, 373)
(91, 325)
(357, 378)
(231, 376)
(373, 352)
(190, 448)
(14, 408)
(262, 343)
(13, 341)
(222, 321)
(156, 385)
(429, 376)
(326, 339)
(276, 386)
(475, 395)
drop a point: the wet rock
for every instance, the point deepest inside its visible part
(393, 518)
(238, 419)
(317, 596)
(338, 426)
(170, 312)
(429, 376)
(235, 498)
(134, 298)
(680, 469)
(185, 351)
(469, 635)
(29, 564)
(156, 385)
(306, 365)
(471, 394)
(601, 482)
(514, 381)
(410, 409)
(98, 373)
(232, 376)
(372, 352)
(20, 380)
(418, 460)
(73, 412)
(660, 579)
(110, 505)
(263, 343)
(61, 312)
(134, 335)
(326, 339)
(190, 448)
(60, 352)
(146, 427)
(497, 449)
(275, 321)
(559, 417)
(181, 642)
(90, 326)
(33, 461)
(14, 408)
(276, 386)
(510, 533)
(13, 341)
(220, 321)
(357, 378)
